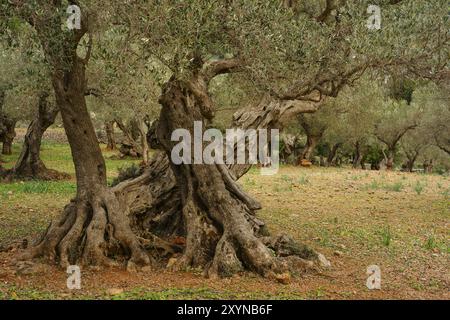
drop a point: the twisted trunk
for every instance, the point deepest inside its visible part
(110, 137)
(223, 236)
(358, 160)
(311, 144)
(29, 164)
(332, 155)
(131, 146)
(411, 159)
(200, 210)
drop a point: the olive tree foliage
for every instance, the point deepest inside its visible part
(124, 86)
(316, 125)
(353, 129)
(20, 80)
(430, 140)
(438, 117)
(23, 82)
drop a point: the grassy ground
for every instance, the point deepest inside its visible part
(398, 221)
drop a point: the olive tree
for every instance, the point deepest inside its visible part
(297, 56)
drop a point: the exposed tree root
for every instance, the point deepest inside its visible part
(94, 231)
(42, 173)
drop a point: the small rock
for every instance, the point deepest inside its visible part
(338, 253)
(171, 262)
(131, 267)
(284, 278)
(323, 261)
(114, 291)
(10, 193)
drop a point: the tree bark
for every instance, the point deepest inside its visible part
(332, 155)
(358, 157)
(144, 143)
(94, 229)
(411, 160)
(390, 159)
(268, 113)
(223, 235)
(110, 137)
(428, 166)
(311, 144)
(133, 146)
(9, 135)
(313, 136)
(29, 164)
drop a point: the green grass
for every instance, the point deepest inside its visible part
(430, 243)
(395, 187)
(28, 206)
(386, 236)
(58, 157)
(304, 180)
(392, 187)
(419, 188)
(38, 187)
(19, 293)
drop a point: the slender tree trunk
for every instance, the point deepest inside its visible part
(9, 136)
(363, 161)
(332, 155)
(110, 136)
(358, 156)
(311, 144)
(144, 142)
(390, 159)
(29, 163)
(412, 157)
(135, 129)
(428, 166)
(94, 229)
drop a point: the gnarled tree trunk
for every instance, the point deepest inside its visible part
(94, 229)
(411, 159)
(131, 146)
(313, 135)
(202, 204)
(110, 137)
(359, 156)
(223, 235)
(311, 144)
(29, 163)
